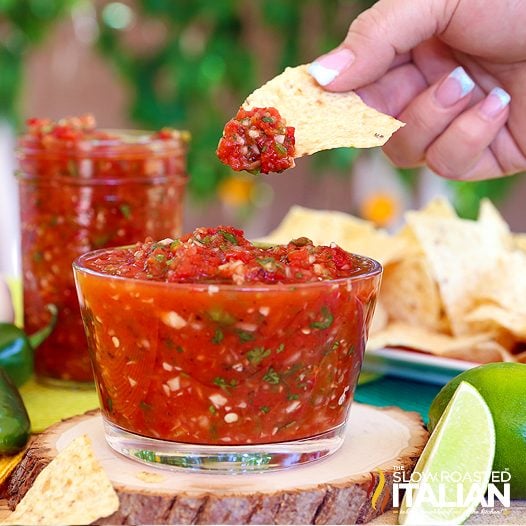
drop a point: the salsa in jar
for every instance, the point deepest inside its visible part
(80, 189)
(211, 339)
(258, 141)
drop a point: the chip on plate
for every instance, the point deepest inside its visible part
(350, 233)
(72, 489)
(322, 119)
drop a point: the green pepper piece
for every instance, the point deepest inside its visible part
(16, 348)
(15, 426)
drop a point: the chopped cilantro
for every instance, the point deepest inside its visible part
(218, 336)
(126, 210)
(224, 384)
(220, 316)
(212, 409)
(269, 264)
(257, 354)
(264, 408)
(245, 336)
(293, 396)
(228, 237)
(271, 377)
(160, 257)
(326, 319)
(270, 120)
(281, 348)
(280, 148)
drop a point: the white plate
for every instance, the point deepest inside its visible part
(414, 365)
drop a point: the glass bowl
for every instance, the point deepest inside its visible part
(224, 377)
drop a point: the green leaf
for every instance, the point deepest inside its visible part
(271, 377)
(218, 336)
(326, 319)
(256, 355)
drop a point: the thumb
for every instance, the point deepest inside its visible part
(376, 37)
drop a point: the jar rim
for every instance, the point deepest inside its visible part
(126, 143)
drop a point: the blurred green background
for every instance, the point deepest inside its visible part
(198, 62)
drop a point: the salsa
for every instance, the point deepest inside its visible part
(209, 339)
(258, 141)
(82, 188)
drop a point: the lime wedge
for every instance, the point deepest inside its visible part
(452, 474)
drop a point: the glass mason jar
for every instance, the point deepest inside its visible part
(81, 189)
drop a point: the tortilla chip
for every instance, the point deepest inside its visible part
(380, 318)
(439, 207)
(519, 242)
(494, 317)
(322, 120)
(483, 352)
(411, 295)
(461, 255)
(350, 233)
(418, 338)
(506, 285)
(491, 219)
(72, 489)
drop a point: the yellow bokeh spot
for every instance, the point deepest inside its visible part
(380, 208)
(237, 190)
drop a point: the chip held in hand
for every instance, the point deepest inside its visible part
(319, 119)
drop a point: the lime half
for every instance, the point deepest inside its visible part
(452, 474)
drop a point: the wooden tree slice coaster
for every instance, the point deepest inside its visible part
(337, 490)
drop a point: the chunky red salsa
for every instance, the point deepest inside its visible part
(82, 188)
(257, 141)
(212, 340)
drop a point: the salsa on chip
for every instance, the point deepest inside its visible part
(292, 116)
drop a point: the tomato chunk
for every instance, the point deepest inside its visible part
(257, 141)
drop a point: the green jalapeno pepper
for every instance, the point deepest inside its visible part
(15, 426)
(16, 348)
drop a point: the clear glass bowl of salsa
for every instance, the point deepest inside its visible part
(213, 353)
(83, 188)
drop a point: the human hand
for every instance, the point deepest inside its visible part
(449, 70)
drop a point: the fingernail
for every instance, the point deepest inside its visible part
(454, 87)
(326, 68)
(496, 100)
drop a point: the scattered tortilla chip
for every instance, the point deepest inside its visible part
(452, 287)
(506, 285)
(519, 241)
(418, 338)
(350, 233)
(491, 219)
(493, 317)
(411, 295)
(461, 254)
(322, 120)
(72, 489)
(380, 318)
(439, 207)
